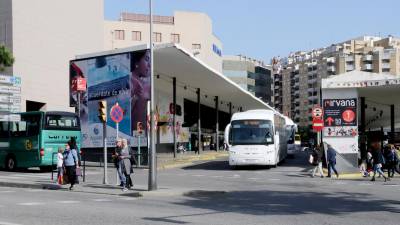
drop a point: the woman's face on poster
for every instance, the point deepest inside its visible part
(143, 66)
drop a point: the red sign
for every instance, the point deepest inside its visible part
(348, 116)
(318, 124)
(117, 113)
(329, 121)
(79, 84)
(317, 112)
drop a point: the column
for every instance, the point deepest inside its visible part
(392, 128)
(216, 123)
(199, 142)
(363, 144)
(174, 113)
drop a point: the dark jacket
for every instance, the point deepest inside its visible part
(331, 155)
(392, 157)
(317, 154)
(377, 157)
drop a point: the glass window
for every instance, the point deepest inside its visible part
(4, 129)
(196, 46)
(32, 124)
(119, 35)
(136, 35)
(156, 37)
(175, 38)
(251, 132)
(18, 129)
(62, 122)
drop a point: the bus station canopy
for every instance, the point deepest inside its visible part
(171, 60)
(380, 91)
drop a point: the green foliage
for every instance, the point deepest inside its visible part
(6, 58)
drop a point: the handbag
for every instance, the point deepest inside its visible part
(78, 172)
(311, 159)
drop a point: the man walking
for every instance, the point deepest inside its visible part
(331, 155)
(377, 158)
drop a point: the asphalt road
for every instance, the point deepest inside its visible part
(283, 195)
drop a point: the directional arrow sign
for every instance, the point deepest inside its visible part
(329, 120)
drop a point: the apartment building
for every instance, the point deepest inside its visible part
(43, 36)
(191, 30)
(250, 74)
(297, 77)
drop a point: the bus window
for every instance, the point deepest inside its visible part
(32, 124)
(4, 129)
(18, 129)
(62, 122)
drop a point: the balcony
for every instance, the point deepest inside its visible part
(367, 58)
(296, 68)
(312, 98)
(386, 56)
(331, 68)
(312, 81)
(331, 60)
(311, 89)
(350, 67)
(349, 58)
(367, 67)
(385, 65)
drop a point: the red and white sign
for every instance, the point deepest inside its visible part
(348, 116)
(317, 112)
(318, 124)
(79, 84)
(117, 113)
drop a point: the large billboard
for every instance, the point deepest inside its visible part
(120, 78)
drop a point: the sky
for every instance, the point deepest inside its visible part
(263, 29)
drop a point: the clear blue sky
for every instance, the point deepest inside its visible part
(263, 28)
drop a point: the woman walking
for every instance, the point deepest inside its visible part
(70, 164)
(317, 156)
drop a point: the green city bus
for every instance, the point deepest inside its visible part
(33, 140)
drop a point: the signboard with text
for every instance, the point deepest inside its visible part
(340, 112)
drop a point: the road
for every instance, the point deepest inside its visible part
(282, 195)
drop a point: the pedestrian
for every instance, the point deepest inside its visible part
(115, 156)
(331, 155)
(70, 164)
(392, 161)
(60, 164)
(125, 165)
(377, 158)
(317, 161)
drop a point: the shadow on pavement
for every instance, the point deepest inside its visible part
(220, 165)
(290, 203)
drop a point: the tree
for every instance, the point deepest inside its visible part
(6, 58)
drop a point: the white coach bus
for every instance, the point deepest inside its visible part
(256, 137)
(291, 129)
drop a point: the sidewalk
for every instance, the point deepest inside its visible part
(94, 177)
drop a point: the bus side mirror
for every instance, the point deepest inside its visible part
(227, 134)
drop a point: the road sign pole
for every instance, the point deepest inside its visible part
(117, 126)
(105, 181)
(139, 155)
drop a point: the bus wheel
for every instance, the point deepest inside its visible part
(11, 163)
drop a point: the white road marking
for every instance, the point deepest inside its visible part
(128, 199)
(254, 178)
(68, 202)
(34, 190)
(365, 184)
(198, 175)
(216, 176)
(7, 223)
(102, 200)
(7, 192)
(274, 179)
(30, 203)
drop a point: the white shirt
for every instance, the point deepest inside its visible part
(60, 160)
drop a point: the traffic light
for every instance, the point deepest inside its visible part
(139, 128)
(103, 111)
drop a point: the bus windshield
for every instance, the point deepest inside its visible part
(251, 132)
(62, 122)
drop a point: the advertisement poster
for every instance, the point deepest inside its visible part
(122, 78)
(340, 112)
(340, 131)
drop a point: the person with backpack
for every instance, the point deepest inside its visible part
(70, 163)
(377, 158)
(331, 156)
(317, 161)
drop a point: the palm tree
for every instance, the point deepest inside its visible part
(6, 58)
